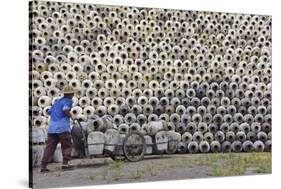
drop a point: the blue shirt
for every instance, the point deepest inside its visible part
(59, 120)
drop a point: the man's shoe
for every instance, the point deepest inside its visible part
(67, 166)
(44, 170)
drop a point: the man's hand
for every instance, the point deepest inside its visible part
(74, 121)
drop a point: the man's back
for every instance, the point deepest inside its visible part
(59, 120)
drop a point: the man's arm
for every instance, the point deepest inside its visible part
(67, 112)
(66, 109)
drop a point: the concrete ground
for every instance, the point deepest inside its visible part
(98, 171)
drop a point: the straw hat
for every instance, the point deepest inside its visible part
(68, 90)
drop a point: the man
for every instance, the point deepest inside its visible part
(59, 130)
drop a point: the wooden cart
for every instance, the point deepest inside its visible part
(133, 146)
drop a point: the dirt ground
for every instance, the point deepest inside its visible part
(98, 171)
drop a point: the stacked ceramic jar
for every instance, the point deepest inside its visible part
(206, 75)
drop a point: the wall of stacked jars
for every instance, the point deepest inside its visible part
(205, 75)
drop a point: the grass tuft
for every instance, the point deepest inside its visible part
(139, 174)
(116, 165)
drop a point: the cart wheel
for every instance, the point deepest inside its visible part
(134, 146)
(172, 147)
